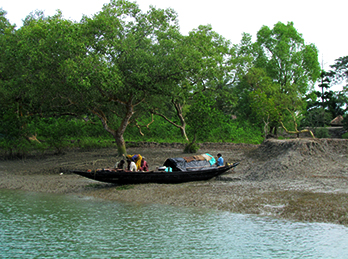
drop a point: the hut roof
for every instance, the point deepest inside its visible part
(337, 121)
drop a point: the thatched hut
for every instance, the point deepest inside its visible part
(338, 121)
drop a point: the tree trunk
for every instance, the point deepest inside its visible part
(265, 128)
(121, 144)
(179, 113)
(191, 147)
(178, 108)
(118, 134)
(183, 133)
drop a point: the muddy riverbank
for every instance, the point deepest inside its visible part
(298, 179)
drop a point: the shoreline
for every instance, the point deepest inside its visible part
(307, 196)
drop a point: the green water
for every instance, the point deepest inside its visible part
(34, 225)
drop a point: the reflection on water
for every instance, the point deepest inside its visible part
(36, 225)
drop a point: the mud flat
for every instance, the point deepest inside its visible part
(297, 179)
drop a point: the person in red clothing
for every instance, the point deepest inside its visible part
(143, 165)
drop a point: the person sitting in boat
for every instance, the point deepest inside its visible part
(131, 165)
(136, 159)
(120, 165)
(143, 165)
(220, 160)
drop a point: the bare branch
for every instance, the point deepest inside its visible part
(297, 131)
(144, 126)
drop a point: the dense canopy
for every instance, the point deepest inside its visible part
(135, 70)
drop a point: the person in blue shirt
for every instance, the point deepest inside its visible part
(220, 160)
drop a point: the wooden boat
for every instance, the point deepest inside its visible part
(159, 176)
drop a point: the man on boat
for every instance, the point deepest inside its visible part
(120, 165)
(131, 165)
(220, 160)
(136, 159)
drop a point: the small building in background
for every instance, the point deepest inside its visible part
(337, 122)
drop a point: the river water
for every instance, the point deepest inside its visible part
(36, 225)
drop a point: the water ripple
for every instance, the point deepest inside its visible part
(56, 226)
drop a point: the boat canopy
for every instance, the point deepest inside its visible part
(191, 163)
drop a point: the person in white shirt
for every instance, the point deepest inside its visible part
(131, 166)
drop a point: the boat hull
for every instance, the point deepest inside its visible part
(124, 177)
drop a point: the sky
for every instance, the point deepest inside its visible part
(322, 23)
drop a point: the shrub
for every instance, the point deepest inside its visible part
(91, 143)
(345, 122)
(191, 148)
(321, 132)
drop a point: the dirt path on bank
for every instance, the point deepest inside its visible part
(299, 179)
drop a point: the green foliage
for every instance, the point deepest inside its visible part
(121, 65)
(339, 73)
(330, 101)
(239, 132)
(225, 129)
(12, 124)
(284, 69)
(264, 97)
(157, 131)
(321, 132)
(345, 122)
(316, 117)
(94, 143)
(54, 133)
(286, 58)
(202, 116)
(14, 132)
(326, 105)
(191, 148)
(63, 133)
(15, 147)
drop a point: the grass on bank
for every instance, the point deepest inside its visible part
(58, 135)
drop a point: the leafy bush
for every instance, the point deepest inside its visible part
(15, 147)
(191, 148)
(54, 132)
(158, 131)
(345, 122)
(14, 133)
(91, 143)
(61, 133)
(321, 132)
